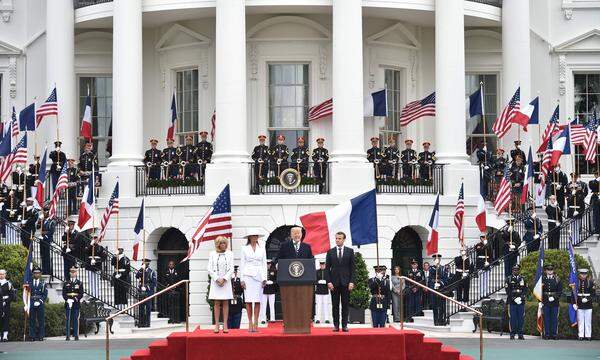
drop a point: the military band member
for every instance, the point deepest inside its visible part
(392, 159)
(28, 222)
(461, 276)
(516, 289)
(517, 177)
(59, 160)
(533, 230)
(583, 303)
(152, 160)
(320, 157)
(13, 205)
(4, 199)
(414, 292)
(170, 160)
(379, 286)
(235, 304)
(172, 277)
(268, 295)
(426, 160)
(8, 294)
(260, 156)
(38, 296)
(511, 241)
(555, 218)
(73, 190)
(321, 296)
(147, 286)
(408, 156)
(551, 292)
(188, 158)
(69, 248)
(517, 151)
(88, 162)
(121, 276)
(300, 157)
(72, 293)
(436, 280)
(204, 152)
(483, 251)
(499, 161)
(556, 185)
(375, 156)
(594, 186)
(279, 155)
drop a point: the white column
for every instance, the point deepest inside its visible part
(348, 152)
(60, 71)
(231, 150)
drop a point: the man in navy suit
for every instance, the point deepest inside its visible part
(339, 273)
(295, 248)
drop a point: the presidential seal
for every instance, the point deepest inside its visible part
(290, 179)
(296, 269)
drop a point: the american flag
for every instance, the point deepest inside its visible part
(215, 222)
(17, 156)
(320, 111)
(546, 165)
(417, 109)
(551, 130)
(578, 133)
(504, 192)
(213, 125)
(14, 124)
(591, 140)
(111, 209)
(503, 122)
(49, 108)
(459, 214)
(61, 184)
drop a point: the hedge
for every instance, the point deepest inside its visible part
(55, 320)
(13, 259)
(360, 295)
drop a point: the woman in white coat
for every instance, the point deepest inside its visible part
(253, 268)
(220, 269)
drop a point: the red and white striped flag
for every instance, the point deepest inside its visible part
(504, 121)
(111, 209)
(459, 214)
(504, 192)
(591, 140)
(578, 133)
(49, 108)
(213, 125)
(546, 165)
(417, 109)
(320, 111)
(61, 184)
(17, 156)
(551, 130)
(14, 125)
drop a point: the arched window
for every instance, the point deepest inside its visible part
(407, 245)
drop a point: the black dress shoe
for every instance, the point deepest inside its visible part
(326, 321)
(512, 337)
(67, 338)
(345, 329)
(521, 337)
(76, 338)
(580, 339)
(317, 322)
(335, 329)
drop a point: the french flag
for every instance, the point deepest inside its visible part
(376, 104)
(86, 123)
(480, 216)
(86, 208)
(39, 184)
(524, 116)
(561, 146)
(139, 233)
(528, 177)
(357, 218)
(432, 240)
(171, 130)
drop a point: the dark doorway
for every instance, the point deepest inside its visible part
(172, 246)
(406, 246)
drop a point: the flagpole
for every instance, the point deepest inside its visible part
(117, 252)
(143, 242)
(57, 112)
(481, 85)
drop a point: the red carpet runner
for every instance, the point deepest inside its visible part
(322, 343)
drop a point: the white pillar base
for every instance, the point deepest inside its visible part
(351, 178)
(452, 158)
(454, 174)
(220, 174)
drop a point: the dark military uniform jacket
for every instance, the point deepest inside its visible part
(271, 286)
(320, 155)
(204, 151)
(426, 157)
(375, 154)
(515, 239)
(463, 268)
(72, 290)
(380, 294)
(556, 183)
(59, 159)
(418, 276)
(484, 254)
(260, 152)
(8, 294)
(124, 267)
(515, 152)
(499, 163)
(152, 157)
(169, 154)
(300, 153)
(391, 154)
(408, 156)
(187, 153)
(551, 288)
(171, 277)
(515, 288)
(321, 286)
(39, 293)
(586, 291)
(236, 304)
(88, 161)
(281, 153)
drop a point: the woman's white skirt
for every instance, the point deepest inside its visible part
(254, 289)
(217, 292)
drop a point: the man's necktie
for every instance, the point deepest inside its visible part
(339, 254)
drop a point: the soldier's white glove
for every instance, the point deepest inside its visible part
(536, 236)
(576, 213)
(558, 187)
(436, 286)
(540, 305)
(68, 250)
(558, 223)
(118, 276)
(533, 215)
(510, 228)
(93, 262)
(5, 297)
(575, 307)
(143, 288)
(70, 302)
(269, 282)
(511, 247)
(551, 299)
(584, 300)
(23, 222)
(36, 303)
(518, 300)
(41, 216)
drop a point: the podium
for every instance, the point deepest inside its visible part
(296, 279)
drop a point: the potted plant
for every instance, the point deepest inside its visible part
(359, 297)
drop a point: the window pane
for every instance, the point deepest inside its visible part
(288, 100)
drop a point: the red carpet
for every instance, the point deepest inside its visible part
(271, 343)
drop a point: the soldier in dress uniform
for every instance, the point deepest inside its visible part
(13, 205)
(279, 155)
(555, 218)
(28, 222)
(4, 199)
(33, 174)
(170, 160)
(375, 156)
(48, 226)
(426, 161)
(204, 152)
(551, 292)
(414, 292)
(461, 280)
(172, 277)
(8, 294)
(321, 296)
(594, 186)
(516, 289)
(583, 303)
(260, 156)
(517, 177)
(268, 295)
(379, 286)
(152, 159)
(483, 251)
(408, 156)
(73, 190)
(300, 157)
(576, 194)
(436, 280)
(517, 151)
(69, 248)
(59, 160)
(236, 304)
(72, 293)
(38, 296)
(533, 230)
(18, 184)
(121, 278)
(88, 162)
(499, 163)
(392, 159)
(320, 157)
(95, 256)
(557, 183)
(188, 158)
(511, 243)
(147, 286)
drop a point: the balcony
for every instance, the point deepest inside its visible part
(298, 179)
(165, 186)
(432, 184)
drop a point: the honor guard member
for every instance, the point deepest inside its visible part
(555, 218)
(436, 280)
(484, 161)
(170, 160)
(95, 256)
(59, 160)
(379, 286)
(69, 247)
(13, 205)
(172, 307)
(516, 289)
(533, 230)
(28, 222)
(8, 294)
(48, 226)
(551, 292)
(409, 160)
(576, 194)
(4, 200)
(320, 158)
(204, 152)
(152, 159)
(392, 159)
(414, 292)
(38, 296)
(73, 189)
(461, 276)
(499, 163)
(268, 296)
(72, 293)
(426, 160)
(511, 241)
(260, 156)
(594, 186)
(279, 155)
(300, 157)
(88, 162)
(236, 304)
(375, 156)
(517, 151)
(18, 184)
(188, 158)
(33, 174)
(321, 296)
(147, 286)
(556, 185)
(483, 251)
(121, 278)
(517, 177)
(585, 290)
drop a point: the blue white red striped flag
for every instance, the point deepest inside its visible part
(171, 129)
(528, 177)
(434, 220)
(139, 233)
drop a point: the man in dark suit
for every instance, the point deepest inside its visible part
(339, 273)
(295, 248)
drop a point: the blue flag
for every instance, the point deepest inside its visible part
(476, 103)
(535, 115)
(572, 281)
(27, 118)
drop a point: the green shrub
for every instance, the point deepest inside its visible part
(13, 259)
(359, 297)
(54, 315)
(565, 331)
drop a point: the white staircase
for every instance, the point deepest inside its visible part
(124, 324)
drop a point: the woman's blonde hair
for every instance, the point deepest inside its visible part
(219, 240)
